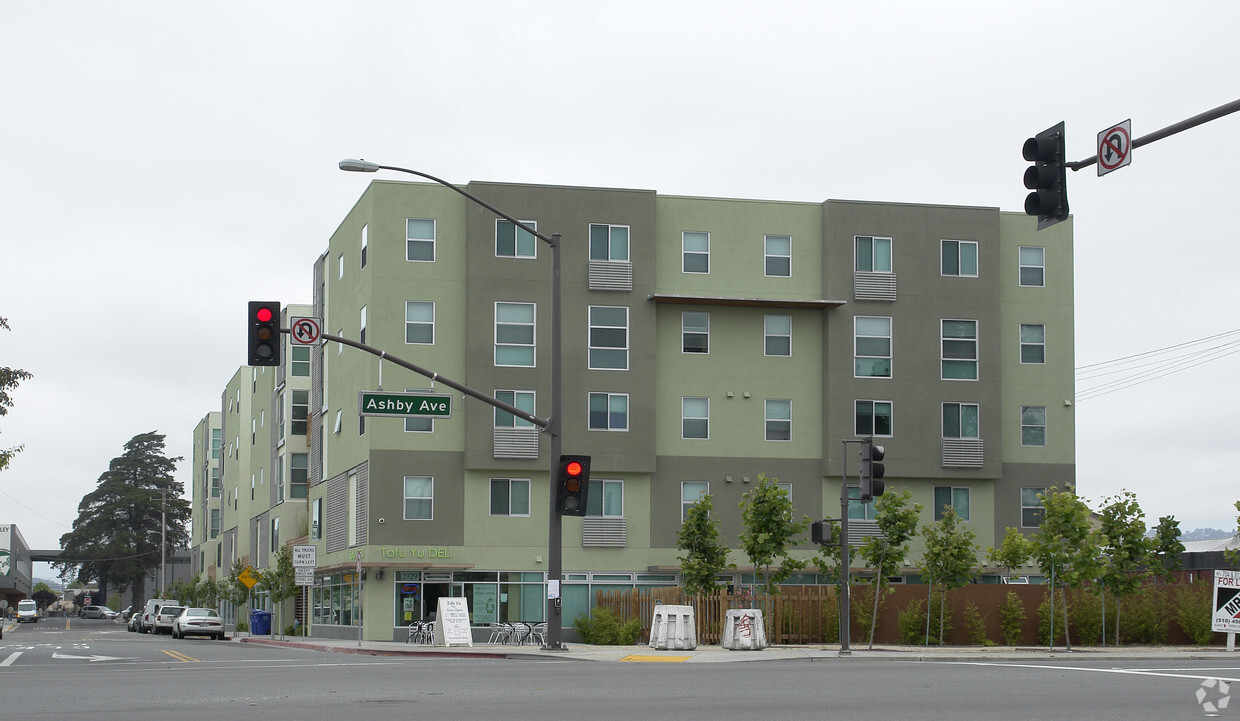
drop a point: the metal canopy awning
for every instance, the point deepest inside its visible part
(790, 303)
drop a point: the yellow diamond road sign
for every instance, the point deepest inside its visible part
(247, 577)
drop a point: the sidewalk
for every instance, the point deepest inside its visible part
(717, 654)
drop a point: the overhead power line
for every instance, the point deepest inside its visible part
(1141, 368)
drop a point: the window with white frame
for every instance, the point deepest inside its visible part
(420, 239)
(690, 493)
(872, 255)
(695, 332)
(419, 498)
(778, 255)
(1032, 266)
(777, 335)
(361, 334)
(316, 519)
(959, 257)
(523, 400)
(960, 420)
(1031, 508)
(275, 534)
(340, 266)
(510, 496)
(299, 475)
(778, 420)
(959, 348)
(514, 242)
(695, 252)
(609, 242)
(871, 347)
(608, 412)
(1032, 343)
(514, 334)
(857, 509)
(419, 424)
(956, 497)
(300, 413)
(300, 366)
(419, 322)
(1033, 425)
(609, 338)
(365, 240)
(694, 417)
(874, 418)
(605, 499)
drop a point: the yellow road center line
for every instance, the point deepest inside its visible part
(179, 656)
(656, 659)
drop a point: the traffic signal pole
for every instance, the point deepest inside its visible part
(1179, 127)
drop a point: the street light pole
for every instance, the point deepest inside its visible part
(555, 541)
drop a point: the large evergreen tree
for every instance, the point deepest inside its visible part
(116, 536)
(9, 378)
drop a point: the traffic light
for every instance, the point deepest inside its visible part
(574, 485)
(1047, 177)
(871, 470)
(263, 333)
(820, 532)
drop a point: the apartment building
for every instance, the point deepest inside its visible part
(706, 341)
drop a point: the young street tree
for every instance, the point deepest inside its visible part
(950, 556)
(279, 580)
(1127, 550)
(706, 552)
(1013, 552)
(1066, 547)
(9, 379)
(116, 536)
(1167, 548)
(886, 554)
(769, 532)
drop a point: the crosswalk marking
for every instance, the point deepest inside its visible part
(12, 657)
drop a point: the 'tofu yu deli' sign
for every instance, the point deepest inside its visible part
(410, 553)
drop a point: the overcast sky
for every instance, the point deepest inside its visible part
(165, 162)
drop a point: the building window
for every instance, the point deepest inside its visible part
(217, 441)
(361, 334)
(514, 334)
(275, 534)
(300, 367)
(959, 343)
(777, 335)
(299, 475)
(959, 257)
(1032, 266)
(694, 417)
(857, 510)
(316, 519)
(695, 252)
(872, 255)
(419, 239)
(609, 338)
(690, 493)
(609, 242)
(301, 412)
(609, 412)
(510, 497)
(872, 347)
(605, 499)
(778, 420)
(340, 266)
(873, 418)
(418, 424)
(960, 420)
(1031, 508)
(778, 251)
(1032, 343)
(956, 497)
(694, 332)
(419, 498)
(419, 322)
(523, 400)
(215, 483)
(1033, 425)
(215, 522)
(365, 239)
(513, 242)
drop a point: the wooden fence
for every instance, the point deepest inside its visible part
(798, 615)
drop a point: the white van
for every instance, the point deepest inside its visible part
(27, 611)
(147, 624)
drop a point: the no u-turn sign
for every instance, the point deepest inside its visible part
(1115, 147)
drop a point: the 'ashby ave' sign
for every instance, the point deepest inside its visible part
(379, 403)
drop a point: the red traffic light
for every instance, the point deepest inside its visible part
(263, 315)
(573, 468)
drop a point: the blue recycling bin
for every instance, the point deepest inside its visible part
(260, 623)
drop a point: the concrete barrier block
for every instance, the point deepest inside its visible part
(743, 630)
(673, 627)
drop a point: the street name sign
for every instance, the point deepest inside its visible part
(404, 405)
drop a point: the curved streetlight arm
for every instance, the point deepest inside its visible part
(363, 166)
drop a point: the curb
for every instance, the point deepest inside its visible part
(364, 651)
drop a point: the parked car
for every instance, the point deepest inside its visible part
(97, 612)
(167, 614)
(27, 611)
(135, 620)
(198, 622)
(147, 623)
(126, 613)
